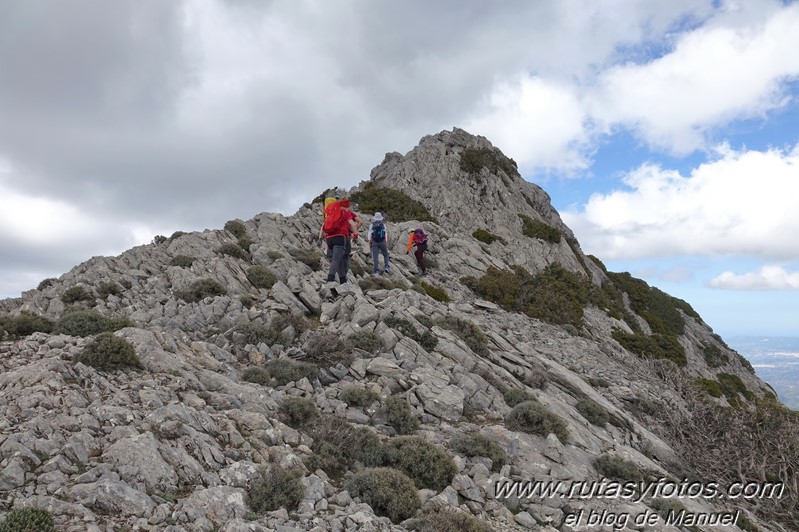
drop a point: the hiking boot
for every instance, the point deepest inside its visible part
(377, 273)
(387, 270)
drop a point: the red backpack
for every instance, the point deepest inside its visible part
(335, 221)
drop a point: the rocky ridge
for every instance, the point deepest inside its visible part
(177, 443)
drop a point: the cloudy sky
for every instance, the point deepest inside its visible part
(667, 133)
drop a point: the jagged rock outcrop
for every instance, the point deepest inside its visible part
(178, 442)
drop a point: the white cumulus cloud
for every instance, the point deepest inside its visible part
(743, 203)
(769, 277)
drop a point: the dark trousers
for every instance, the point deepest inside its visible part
(419, 253)
(338, 264)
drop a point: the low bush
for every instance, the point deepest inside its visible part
(232, 250)
(714, 356)
(359, 396)
(309, 257)
(261, 276)
(593, 412)
(540, 230)
(257, 375)
(256, 333)
(447, 519)
(425, 463)
(471, 334)
(710, 387)
(28, 520)
(400, 416)
(425, 339)
(236, 228)
(246, 301)
(472, 160)
(514, 396)
(74, 294)
(24, 324)
(45, 283)
(108, 288)
(615, 467)
(395, 204)
(389, 492)
(108, 352)
(487, 237)
(665, 346)
(82, 322)
(366, 340)
(533, 418)
(182, 261)
(284, 371)
(176, 235)
(274, 488)
(245, 243)
(200, 289)
(326, 348)
(436, 292)
(374, 282)
(476, 444)
(732, 385)
(297, 412)
(338, 446)
(598, 382)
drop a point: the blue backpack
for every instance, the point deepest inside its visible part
(378, 232)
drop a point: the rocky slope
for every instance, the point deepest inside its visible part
(178, 442)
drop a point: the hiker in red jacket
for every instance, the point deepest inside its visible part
(339, 225)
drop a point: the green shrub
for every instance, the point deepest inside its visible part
(593, 412)
(200, 289)
(285, 371)
(660, 310)
(257, 375)
(236, 228)
(598, 382)
(389, 492)
(436, 292)
(326, 348)
(245, 243)
(273, 489)
(476, 444)
(358, 396)
(514, 396)
(425, 339)
(274, 254)
(46, 283)
(665, 506)
(159, 239)
(555, 295)
(396, 205)
(366, 340)
(425, 463)
(710, 387)
(615, 467)
(472, 160)
(176, 235)
(233, 250)
(24, 324)
(655, 346)
(642, 405)
(400, 416)
(308, 257)
(75, 294)
(108, 352)
(540, 230)
(338, 446)
(246, 301)
(533, 418)
(297, 412)
(88, 322)
(732, 385)
(471, 334)
(28, 520)
(374, 282)
(108, 288)
(255, 333)
(714, 356)
(487, 237)
(446, 519)
(261, 276)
